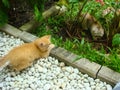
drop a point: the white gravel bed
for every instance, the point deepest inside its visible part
(45, 74)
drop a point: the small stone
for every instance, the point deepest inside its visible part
(90, 79)
(93, 87)
(88, 88)
(40, 69)
(43, 76)
(8, 79)
(69, 69)
(62, 64)
(86, 84)
(11, 83)
(28, 89)
(101, 84)
(109, 87)
(32, 70)
(97, 80)
(92, 83)
(73, 82)
(32, 86)
(37, 74)
(46, 87)
(30, 73)
(85, 76)
(86, 80)
(63, 85)
(1, 84)
(13, 74)
(45, 70)
(97, 88)
(76, 70)
(56, 62)
(103, 88)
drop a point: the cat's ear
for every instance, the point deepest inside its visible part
(47, 36)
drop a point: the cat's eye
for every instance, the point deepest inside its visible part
(41, 44)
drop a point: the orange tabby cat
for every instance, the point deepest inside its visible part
(22, 56)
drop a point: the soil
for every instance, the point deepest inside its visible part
(20, 12)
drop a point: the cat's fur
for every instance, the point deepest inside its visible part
(22, 56)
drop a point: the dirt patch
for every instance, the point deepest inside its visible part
(20, 12)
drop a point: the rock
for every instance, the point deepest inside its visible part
(86, 80)
(88, 88)
(28, 89)
(92, 83)
(62, 64)
(1, 84)
(45, 74)
(40, 69)
(85, 76)
(47, 87)
(97, 80)
(32, 70)
(44, 70)
(103, 88)
(109, 87)
(69, 69)
(86, 84)
(90, 79)
(13, 74)
(76, 70)
(32, 86)
(56, 62)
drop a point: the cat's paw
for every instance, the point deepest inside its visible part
(51, 46)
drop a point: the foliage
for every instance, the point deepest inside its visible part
(4, 4)
(37, 5)
(113, 61)
(3, 18)
(38, 8)
(116, 40)
(83, 48)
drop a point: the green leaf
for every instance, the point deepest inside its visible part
(38, 14)
(3, 18)
(82, 41)
(116, 40)
(6, 3)
(73, 1)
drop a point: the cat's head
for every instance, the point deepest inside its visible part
(44, 43)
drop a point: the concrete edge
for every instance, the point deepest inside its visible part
(84, 65)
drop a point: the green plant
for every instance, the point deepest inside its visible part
(81, 47)
(4, 4)
(38, 6)
(116, 40)
(113, 61)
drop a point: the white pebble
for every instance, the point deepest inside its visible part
(47, 87)
(109, 87)
(62, 64)
(45, 74)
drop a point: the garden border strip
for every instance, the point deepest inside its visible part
(84, 65)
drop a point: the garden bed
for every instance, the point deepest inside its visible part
(84, 65)
(77, 44)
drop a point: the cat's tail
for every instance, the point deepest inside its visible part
(3, 63)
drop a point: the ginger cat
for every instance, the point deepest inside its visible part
(22, 56)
